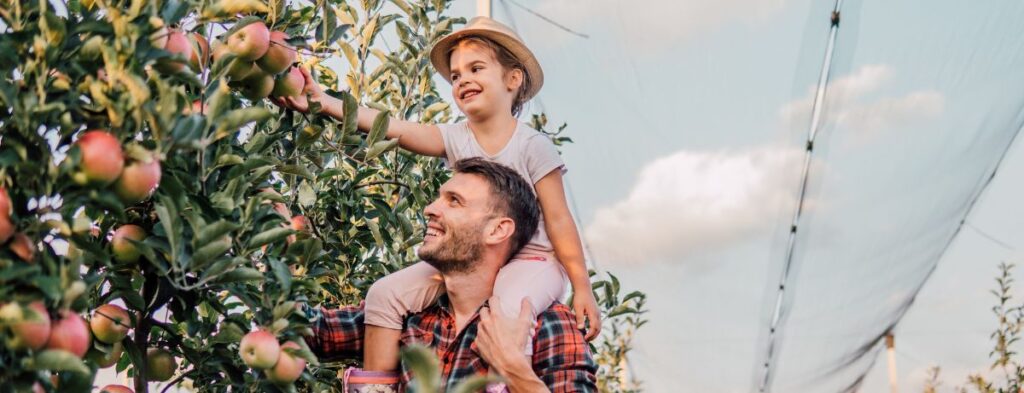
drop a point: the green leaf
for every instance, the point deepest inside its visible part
(283, 276)
(269, 236)
(57, 360)
(214, 231)
(228, 333)
(241, 274)
(305, 353)
(237, 118)
(476, 383)
(620, 310)
(307, 196)
(297, 170)
(381, 147)
(350, 123)
(210, 251)
(380, 128)
(423, 364)
(220, 266)
(375, 230)
(283, 310)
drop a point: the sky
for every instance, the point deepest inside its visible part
(690, 120)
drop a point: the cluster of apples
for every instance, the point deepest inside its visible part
(262, 64)
(29, 327)
(103, 164)
(260, 349)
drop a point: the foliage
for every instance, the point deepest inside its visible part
(218, 260)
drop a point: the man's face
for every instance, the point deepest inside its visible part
(456, 224)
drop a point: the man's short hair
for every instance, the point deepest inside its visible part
(512, 196)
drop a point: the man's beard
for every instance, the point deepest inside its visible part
(459, 254)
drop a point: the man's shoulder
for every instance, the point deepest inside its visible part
(557, 319)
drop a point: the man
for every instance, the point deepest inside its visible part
(471, 233)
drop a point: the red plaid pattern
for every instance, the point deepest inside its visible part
(561, 356)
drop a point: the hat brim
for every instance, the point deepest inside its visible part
(439, 55)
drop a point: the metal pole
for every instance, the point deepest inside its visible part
(483, 8)
(890, 348)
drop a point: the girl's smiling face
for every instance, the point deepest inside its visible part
(481, 86)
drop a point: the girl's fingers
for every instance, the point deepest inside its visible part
(581, 316)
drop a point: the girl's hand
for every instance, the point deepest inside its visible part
(300, 103)
(500, 340)
(585, 306)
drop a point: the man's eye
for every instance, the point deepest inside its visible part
(454, 202)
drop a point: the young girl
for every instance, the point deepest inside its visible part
(492, 74)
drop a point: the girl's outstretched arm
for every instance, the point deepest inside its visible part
(424, 139)
(565, 238)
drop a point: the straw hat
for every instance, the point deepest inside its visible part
(486, 27)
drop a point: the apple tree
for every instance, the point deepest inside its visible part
(158, 215)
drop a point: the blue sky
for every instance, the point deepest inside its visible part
(689, 118)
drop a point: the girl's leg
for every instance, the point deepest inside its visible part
(388, 301)
(542, 280)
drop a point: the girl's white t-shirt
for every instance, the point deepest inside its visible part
(528, 152)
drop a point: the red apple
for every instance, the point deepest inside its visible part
(288, 368)
(110, 323)
(300, 224)
(70, 333)
(6, 226)
(124, 250)
(6, 229)
(250, 42)
(116, 389)
(259, 349)
(279, 56)
(290, 84)
(23, 247)
(180, 48)
(5, 203)
(33, 330)
(137, 181)
(160, 364)
(197, 108)
(104, 360)
(102, 158)
(256, 86)
(200, 58)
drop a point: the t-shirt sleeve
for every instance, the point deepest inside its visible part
(542, 157)
(450, 136)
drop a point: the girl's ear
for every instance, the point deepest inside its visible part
(514, 79)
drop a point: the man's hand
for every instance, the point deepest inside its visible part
(300, 103)
(585, 306)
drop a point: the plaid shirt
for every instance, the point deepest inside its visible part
(561, 356)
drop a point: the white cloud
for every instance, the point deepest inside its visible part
(852, 102)
(696, 202)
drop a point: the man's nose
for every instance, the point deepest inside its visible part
(431, 209)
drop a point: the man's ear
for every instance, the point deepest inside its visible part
(498, 230)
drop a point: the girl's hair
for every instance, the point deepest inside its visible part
(507, 60)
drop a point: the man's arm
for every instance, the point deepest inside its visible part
(561, 359)
(337, 334)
